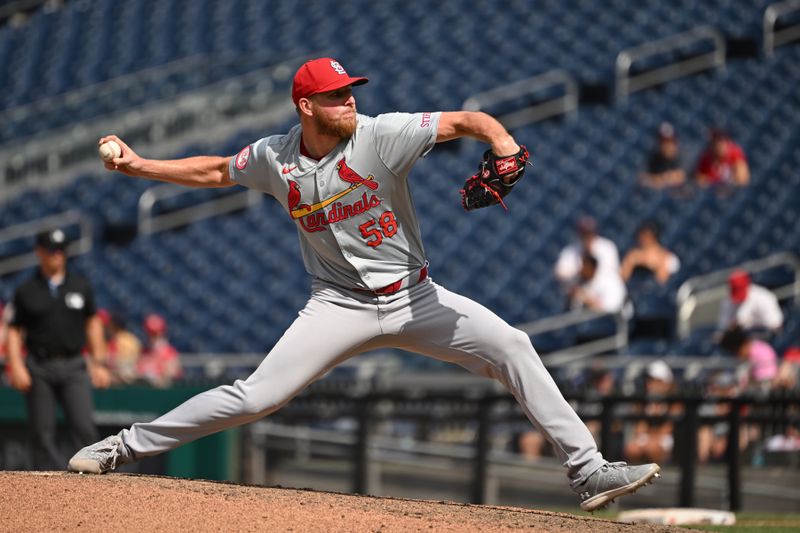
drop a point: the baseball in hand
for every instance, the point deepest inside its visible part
(109, 150)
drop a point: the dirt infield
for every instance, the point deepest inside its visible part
(58, 501)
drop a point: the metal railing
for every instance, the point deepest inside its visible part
(774, 38)
(627, 83)
(9, 9)
(616, 341)
(205, 115)
(148, 223)
(134, 82)
(388, 370)
(30, 229)
(711, 288)
(566, 104)
(367, 449)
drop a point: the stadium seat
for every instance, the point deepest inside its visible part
(584, 166)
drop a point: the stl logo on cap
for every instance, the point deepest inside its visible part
(321, 75)
(338, 68)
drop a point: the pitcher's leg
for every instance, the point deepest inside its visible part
(451, 327)
(321, 337)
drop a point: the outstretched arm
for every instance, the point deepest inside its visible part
(479, 126)
(200, 171)
(502, 166)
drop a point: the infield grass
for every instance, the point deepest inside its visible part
(748, 522)
(760, 523)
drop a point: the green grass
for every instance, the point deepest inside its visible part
(760, 523)
(745, 522)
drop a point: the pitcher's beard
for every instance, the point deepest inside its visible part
(340, 128)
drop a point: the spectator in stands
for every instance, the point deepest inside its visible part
(531, 444)
(160, 363)
(124, 348)
(664, 168)
(759, 357)
(748, 306)
(722, 163)
(601, 382)
(785, 443)
(789, 370)
(601, 293)
(712, 439)
(654, 438)
(649, 255)
(568, 266)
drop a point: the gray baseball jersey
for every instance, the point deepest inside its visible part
(353, 209)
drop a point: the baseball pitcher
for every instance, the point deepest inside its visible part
(343, 178)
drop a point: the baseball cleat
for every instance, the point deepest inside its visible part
(613, 480)
(98, 458)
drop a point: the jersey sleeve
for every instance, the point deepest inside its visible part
(402, 138)
(736, 154)
(90, 306)
(772, 313)
(16, 315)
(252, 168)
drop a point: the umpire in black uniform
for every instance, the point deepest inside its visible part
(54, 317)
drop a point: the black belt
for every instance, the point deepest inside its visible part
(44, 355)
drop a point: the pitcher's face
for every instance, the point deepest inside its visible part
(334, 112)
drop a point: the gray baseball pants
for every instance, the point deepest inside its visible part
(337, 324)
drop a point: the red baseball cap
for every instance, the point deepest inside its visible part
(155, 324)
(792, 354)
(319, 76)
(739, 282)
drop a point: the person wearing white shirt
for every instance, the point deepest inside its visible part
(568, 266)
(601, 292)
(749, 306)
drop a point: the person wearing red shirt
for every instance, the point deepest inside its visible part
(159, 363)
(723, 162)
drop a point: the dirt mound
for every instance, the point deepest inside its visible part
(58, 501)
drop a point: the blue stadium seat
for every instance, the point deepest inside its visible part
(585, 166)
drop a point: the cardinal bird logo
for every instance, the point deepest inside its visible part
(338, 211)
(347, 174)
(351, 176)
(294, 200)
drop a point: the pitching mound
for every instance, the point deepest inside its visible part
(58, 501)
